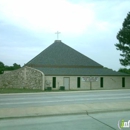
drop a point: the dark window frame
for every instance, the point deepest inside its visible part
(123, 82)
(101, 82)
(78, 82)
(54, 82)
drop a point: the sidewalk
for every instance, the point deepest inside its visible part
(63, 109)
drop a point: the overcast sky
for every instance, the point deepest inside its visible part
(27, 27)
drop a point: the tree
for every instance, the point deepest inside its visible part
(16, 66)
(124, 70)
(8, 68)
(123, 37)
(1, 67)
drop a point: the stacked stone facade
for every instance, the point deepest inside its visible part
(24, 77)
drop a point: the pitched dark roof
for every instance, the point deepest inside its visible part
(60, 59)
(59, 54)
(79, 72)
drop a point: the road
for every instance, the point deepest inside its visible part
(100, 121)
(63, 98)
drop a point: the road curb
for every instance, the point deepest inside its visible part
(68, 91)
(107, 111)
(65, 114)
(44, 115)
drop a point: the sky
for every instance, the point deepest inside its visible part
(27, 27)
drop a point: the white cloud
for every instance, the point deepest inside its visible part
(89, 26)
(48, 15)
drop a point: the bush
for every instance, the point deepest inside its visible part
(48, 88)
(62, 87)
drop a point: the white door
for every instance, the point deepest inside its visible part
(67, 83)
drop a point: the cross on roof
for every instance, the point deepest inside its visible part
(57, 34)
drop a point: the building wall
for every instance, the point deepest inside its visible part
(25, 77)
(109, 82)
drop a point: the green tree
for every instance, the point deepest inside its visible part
(124, 70)
(16, 66)
(1, 67)
(123, 37)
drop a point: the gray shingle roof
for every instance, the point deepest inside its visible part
(59, 54)
(80, 72)
(60, 59)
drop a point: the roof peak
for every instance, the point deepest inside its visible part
(57, 41)
(60, 54)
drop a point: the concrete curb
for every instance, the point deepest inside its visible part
(48, 115)
(65, 114)
(69, 91)
(69, 109)
(107, 111)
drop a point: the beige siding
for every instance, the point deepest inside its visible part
(115, 82)
(127, 83)
(109, 82)
(112, 82)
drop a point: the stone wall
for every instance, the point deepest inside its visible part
(25, 77)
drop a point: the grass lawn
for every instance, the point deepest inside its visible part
(15, 90)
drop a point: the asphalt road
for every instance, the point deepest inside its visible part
(63, 98)
(100, 121)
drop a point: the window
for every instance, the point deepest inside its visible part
(123, 82)
(101, 82)
(54, 82)
(78, 82)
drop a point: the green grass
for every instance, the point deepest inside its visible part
(15, 90)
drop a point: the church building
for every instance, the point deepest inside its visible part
(65, 68)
